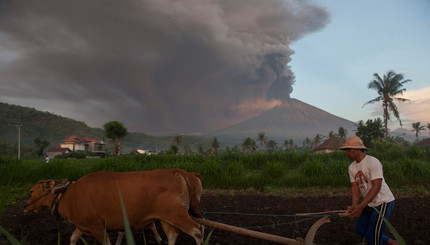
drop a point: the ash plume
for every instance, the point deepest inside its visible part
(158, 66)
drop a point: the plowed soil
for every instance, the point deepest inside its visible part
(268, 214)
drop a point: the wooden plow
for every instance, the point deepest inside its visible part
(310, 236)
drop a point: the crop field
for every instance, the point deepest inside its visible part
(276, 184)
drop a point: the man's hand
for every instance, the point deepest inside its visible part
(354, 211)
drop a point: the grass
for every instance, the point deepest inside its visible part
(407, 172)
(408, 168)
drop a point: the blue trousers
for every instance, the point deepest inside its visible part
(372, 226)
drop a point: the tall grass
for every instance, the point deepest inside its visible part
(402, 168)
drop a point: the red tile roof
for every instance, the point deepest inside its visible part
(424, 143)
(72, 139)
(331, 144)
(89, 139)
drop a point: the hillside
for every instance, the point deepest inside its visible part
(293, 119)
(35, 124)
(55, 129)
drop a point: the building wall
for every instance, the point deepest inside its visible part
(73, 147)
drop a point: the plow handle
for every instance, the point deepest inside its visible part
(251, 233)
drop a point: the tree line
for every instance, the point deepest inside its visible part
(388, 87)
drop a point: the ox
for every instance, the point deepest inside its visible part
(194, 184)
(92, 203)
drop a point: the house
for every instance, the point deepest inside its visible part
(330, 145)
(424, 143)
(73, 143)
(54, 151)
(141, 152)
(86, 143)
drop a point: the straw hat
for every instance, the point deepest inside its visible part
(353, 142)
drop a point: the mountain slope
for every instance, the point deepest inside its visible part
(45, 125)
(55, 129)
(293, 119)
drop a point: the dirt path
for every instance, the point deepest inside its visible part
(410, 217)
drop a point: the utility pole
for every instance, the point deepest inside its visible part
(18, 126)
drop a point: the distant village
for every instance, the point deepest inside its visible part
(85, 144)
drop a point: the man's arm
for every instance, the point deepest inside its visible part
(357, 207)
(355, 192)
(377, 183)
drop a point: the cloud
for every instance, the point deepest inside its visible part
(417, 109)
(158, 66)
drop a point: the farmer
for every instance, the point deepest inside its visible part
(367, 179)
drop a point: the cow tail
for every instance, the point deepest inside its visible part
(194, 201)
(183, 174)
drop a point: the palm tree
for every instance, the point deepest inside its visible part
(271, 146)
(417, 127)
(214, 144)
(306, 144)
(201, 150)
(428, 127)
(387, 88)
(342, 132)
(317, 139)
(288, 144)
(262, 139)
(177, 140)
(248, 145)
(292, 145)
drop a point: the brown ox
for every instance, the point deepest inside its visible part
(92, 203)
(194, 184)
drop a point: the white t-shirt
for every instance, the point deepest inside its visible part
(363, 173)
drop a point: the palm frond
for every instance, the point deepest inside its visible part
(373, 101)
(402, 99)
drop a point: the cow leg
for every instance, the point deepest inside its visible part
(154, 230)
(193, 229)
(151, 226)
(100, 234)
(120, 236)
(181, 220)
(171, 231)
(202, 230)
(75, 236)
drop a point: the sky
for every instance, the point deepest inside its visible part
(193, 66)
(334, 65)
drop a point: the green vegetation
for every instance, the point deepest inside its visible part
(37, 124)
(403, 169)
(48, 127)
(370, 131)
(389, 87)
(115, 131)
